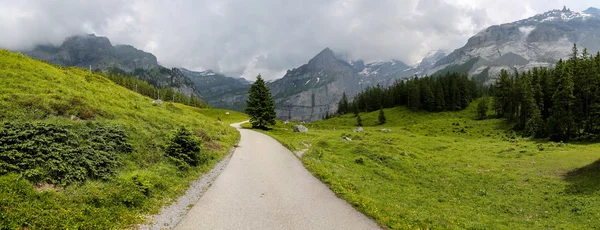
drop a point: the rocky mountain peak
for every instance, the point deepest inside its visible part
(90, 41)
(324, 59)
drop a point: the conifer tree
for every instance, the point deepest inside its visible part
(440, 103)
(561, 121)
(382, 118)
(343, 106)
(429, 99)
(359, 120)
(355, 109)
(482, 108)
(260, 105)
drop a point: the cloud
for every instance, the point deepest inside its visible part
(244, 38)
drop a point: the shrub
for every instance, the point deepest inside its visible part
(61, 154)
(185, 149)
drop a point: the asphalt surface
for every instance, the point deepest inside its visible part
(265, 186)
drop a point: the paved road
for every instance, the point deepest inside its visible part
(266, 187)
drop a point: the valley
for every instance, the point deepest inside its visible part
(241, 123)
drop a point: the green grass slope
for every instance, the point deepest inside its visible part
(34, 91)
(450, 171)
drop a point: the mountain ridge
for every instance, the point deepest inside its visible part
(98, 53)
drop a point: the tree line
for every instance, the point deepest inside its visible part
(131, 82)
(562, 103)
(449, 92)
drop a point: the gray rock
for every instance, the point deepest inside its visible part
(300, 129)
(286, 122)
(358, 130)
(386, 130)
(157, 102)
(346, 138)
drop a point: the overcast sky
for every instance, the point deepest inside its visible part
(247, 37)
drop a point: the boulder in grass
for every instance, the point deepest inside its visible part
(358, 130)
(300, 129)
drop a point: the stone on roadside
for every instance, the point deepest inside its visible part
(300, 129)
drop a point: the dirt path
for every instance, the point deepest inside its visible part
(265, 186)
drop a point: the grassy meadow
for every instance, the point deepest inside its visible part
(37, 92)
(450, 171)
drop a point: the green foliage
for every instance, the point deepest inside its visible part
(185, 149)
(59, 154)
(559, 103)
(260, 105)
(381, 117)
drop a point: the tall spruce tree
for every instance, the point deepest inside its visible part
(561, 122)
(260, 105)
(429, 98)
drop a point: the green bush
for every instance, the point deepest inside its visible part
(61, 154)
(185, 149)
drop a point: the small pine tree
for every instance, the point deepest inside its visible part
(359, 120)
(185, 149)
(482, 108)
(382, 119)
(260, 105)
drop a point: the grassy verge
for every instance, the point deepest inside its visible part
(145, 180)
(448, 170)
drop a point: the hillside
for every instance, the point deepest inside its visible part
(121, 134)
(450, 171)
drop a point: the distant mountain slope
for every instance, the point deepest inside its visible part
(91, 51)
(537, 41)
(313, 89)
(219, 90)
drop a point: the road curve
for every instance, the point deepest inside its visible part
(266, 187)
